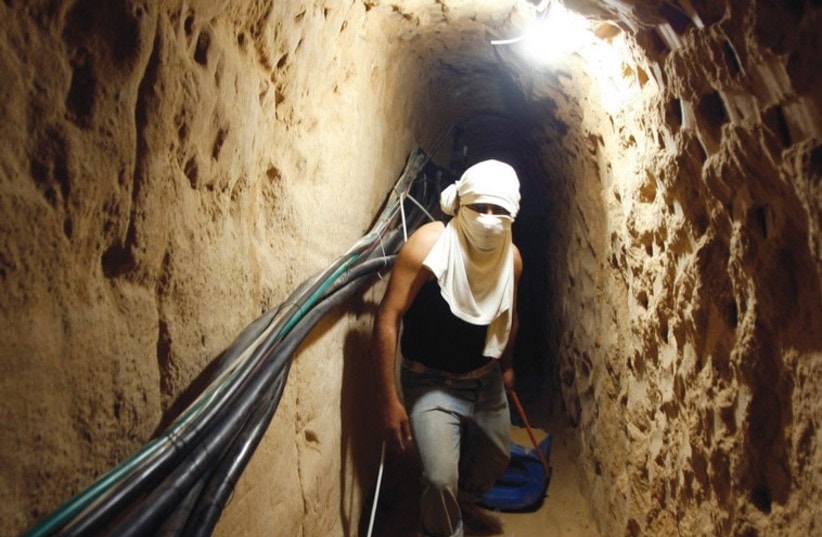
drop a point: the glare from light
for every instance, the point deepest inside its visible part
(613, 70)
(558, 33)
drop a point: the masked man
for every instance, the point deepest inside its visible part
(453, 288)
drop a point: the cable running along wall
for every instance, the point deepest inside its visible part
(179, 482)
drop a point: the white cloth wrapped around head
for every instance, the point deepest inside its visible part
(489, 181)
(473, 259)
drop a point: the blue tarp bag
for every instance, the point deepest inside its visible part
(523, 485)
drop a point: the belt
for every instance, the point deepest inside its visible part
(481, 371)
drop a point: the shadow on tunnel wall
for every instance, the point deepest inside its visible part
(359, 429)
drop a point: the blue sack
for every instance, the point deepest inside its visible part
(523, 485)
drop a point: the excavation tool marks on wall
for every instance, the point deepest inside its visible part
(179, 483)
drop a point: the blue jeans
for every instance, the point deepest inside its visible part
(462, 430)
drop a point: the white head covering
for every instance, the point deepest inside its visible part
(473, 259)
(489, 181)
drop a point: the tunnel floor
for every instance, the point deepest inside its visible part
(564, 513)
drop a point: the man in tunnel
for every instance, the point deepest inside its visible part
(454, 288)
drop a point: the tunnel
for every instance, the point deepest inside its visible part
(170, 170)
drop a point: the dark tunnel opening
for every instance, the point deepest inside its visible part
(509, 136)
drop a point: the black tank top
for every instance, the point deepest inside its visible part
(433, 336)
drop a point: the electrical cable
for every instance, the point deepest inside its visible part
(227, 420)
(216, 494)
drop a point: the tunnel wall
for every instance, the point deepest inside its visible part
(687, 272)
(170, 170)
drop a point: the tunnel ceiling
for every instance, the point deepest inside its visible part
(455, 36)
(493, 90)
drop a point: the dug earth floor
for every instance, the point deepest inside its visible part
(563, 513)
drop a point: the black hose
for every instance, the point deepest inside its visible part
(222, 483)
(152, 509)
(150, 472)
(176, 521)
(204, 519)
(242, 449)
(365, 268)
(209, 508)
(160, 503)
(228, 419)
(245, 339)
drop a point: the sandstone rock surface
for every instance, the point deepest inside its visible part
(169, 170)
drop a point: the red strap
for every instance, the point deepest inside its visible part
(530, 432)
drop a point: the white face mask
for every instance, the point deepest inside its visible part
(485, 232)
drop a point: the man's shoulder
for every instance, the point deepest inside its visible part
(422, 240)
(430, 231)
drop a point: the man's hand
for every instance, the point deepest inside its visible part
(395, 424)
(508, 378)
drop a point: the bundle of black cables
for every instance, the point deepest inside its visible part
(179, 483)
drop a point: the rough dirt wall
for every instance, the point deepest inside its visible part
(169, 171)
(688, 273)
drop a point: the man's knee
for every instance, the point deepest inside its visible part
(444, 481)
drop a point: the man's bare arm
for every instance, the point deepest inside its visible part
(407, 277)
